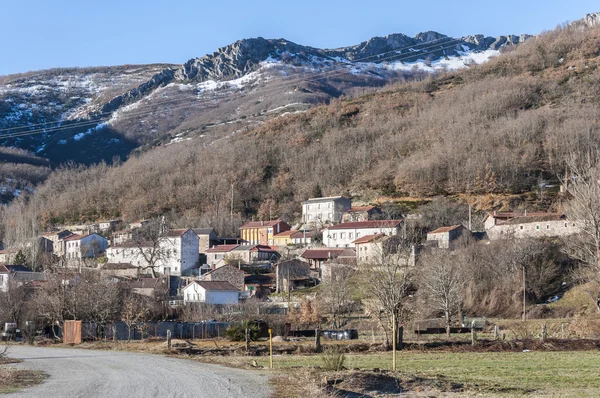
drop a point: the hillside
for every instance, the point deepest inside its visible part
(503, 127)
(87, 115)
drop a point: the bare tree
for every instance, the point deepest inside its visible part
(443, 283)
(337, 293)
(386, 284)
(150, 245)
(134, 310)
(583, 185)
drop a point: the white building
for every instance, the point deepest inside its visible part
(176, 253)
(528, 225)
(329, 210)
(344, 235)
(210, 292)
(79, 247)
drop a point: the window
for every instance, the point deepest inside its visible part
(537, 227)
(357, 235)
(350, 235)
(334, 236)
(319, 206)
(521, 227)
(307, 207)
(342, 235)
(547, 226)
(566, 225)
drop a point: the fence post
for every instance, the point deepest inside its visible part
(473, 333)
(496, 332)
(543, 338)
(317, 340)
(563, 331)
(169, 339)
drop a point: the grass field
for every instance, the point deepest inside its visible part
(551, 374)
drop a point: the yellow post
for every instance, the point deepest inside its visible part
(270, 349)
(393, 342)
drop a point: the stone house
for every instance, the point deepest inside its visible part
(316, 257)
(123, 236)
(262, 232)
(529, 225)
(207, 238)
(289, 273)
(446, 237)
(369, 247)
(218, 256)
(109, 225)
(125, 270)
(344, 235)
(328, 210)
(78, 247)
(175, 254)
(210, 292)
(361, 213)
(226, 273)
(58, 240)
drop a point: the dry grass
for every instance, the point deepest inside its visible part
(12, 379)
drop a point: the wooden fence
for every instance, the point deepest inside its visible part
(72, 332)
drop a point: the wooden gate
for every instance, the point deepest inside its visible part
(72, 332)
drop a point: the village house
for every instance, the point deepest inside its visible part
(79, 247)
(175, 254)
(369, 247)
(7, 256)
(124, 270)
(149, 287)
(262, 232)
(207, 238)
(290, 274)
(446, 237)
(226, 273)
(110, 225)
(240, 254)
(123, 236)
(316, 257)
(284, 239)
(58, 240)
(328, 210)
(259, 285)
(528, 225)
(210, 292)
(344, 235)
(361, 213)
(17, 275)
(138, 224)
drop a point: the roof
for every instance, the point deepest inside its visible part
(324, 199)
(203, 231)
(221, 268)
(118, 266)
(221, 248)
(300, 234)
(285, 234)
(536, 217)
(175, 233)
(261, 224)
(367, 224)
(28, 276)
(446, 229)
(4, 269)
(223, 286)
(368, 238)
(317, 254)
(512, 214)
(73, 237)
(348, 253)
(358, 209)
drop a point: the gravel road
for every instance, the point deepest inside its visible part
(88, 373)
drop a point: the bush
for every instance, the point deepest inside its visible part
(333, 358)
(238, 332)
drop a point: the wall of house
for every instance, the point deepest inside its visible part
(345, 237)
(366, 252)
(189, 251)
(533, 230)
(442, 239)
(326, 211)
(221, 297)
(193, 293)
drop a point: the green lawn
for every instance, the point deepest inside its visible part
(538, 373)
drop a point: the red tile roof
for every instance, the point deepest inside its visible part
(367, 224)
(261, 224)
(176, 232)
(317, 254)
(285, 234)
(368, 238)
(221, 248)
(74, 237)
(446, 229)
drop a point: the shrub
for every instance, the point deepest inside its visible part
(333, 358)
(238, 332)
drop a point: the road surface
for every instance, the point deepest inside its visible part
(88, 373)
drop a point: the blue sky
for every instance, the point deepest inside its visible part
(40, 34)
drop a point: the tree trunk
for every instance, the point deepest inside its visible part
(400, 337)
(448, 324)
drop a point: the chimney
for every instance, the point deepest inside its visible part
(262, 223)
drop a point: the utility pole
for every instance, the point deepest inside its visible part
(394, 341)
(231, 212)
(470, 217)
(524, 295)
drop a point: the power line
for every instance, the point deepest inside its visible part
(323, 75)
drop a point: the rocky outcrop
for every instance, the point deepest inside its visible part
(480, 42)
(592, 20)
